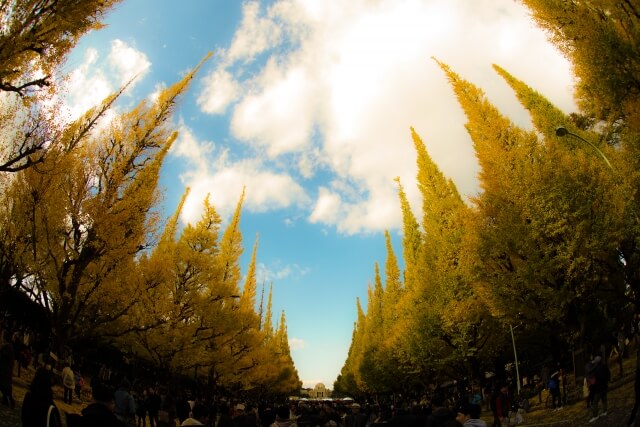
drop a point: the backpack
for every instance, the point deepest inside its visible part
(552, 384)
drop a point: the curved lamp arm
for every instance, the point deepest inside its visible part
(562, 131)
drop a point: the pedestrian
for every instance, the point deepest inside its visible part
(38, 408)
(141, 408)
(225, 419)
(554, 389)
(100, 412)
(469, 415)
(282, 417)
(69, 384)
(167, 413)
(602, 376)
(153, 403)
(7, 360)
(17, 349)
(441, 415)
(125, 408)
(79, 381)
(199, 416)
(503, 405)
(240, 417)
(183, 408)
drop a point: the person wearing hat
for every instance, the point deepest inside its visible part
(469, 415)
(240, 417)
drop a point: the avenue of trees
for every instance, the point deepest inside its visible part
(550, 245)
(82, 236)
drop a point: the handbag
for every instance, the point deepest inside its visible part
(49, 415)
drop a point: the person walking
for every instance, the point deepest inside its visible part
(167, 413)
(141, 408)
(469, 416)
(199, 416)
(602, 376)
(69, 384)
(7, 360)
(100, 412)
(153, 403)
(282, 418)
(503, 405)
(125, 408)
(38, 408)
(554, 388)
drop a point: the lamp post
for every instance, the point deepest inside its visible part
(515, 355)
(562, 132)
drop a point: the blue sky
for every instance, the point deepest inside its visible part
(307, 104)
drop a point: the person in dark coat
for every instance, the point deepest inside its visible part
(38, 409)
(504, 401)
(240, 416)
(153, 403)
(356, 418)
(225, 419)
(100, 412)
(404, 418)
(7, 360)
(600, 388)
(441, 415)
(183, 409)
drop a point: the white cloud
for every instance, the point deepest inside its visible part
(128, 62)
(327, 207)
(89, 84)
(357, 75)
(276, 273)
(269, 120)
(214, 174)
(189, 147)
(220, 89)
(86, 86)
(255, 35)
(296, 343)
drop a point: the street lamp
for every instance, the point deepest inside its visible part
(562, 132)
(515, 355)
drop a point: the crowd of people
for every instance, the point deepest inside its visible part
(129, 406)
(118, 401)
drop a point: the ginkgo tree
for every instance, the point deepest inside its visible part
(82, 231)
(193, 317)
(35, 40)
(548, 243)
(79, 220)
(600, 38)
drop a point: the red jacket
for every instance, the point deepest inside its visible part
(503, 404)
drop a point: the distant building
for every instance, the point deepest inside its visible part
(319, 392)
